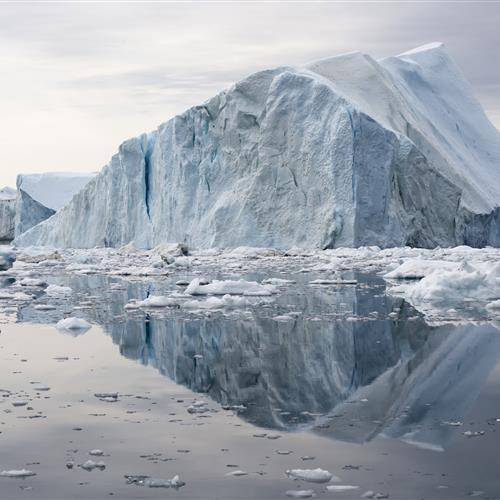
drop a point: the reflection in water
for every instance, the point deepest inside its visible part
(349, 380)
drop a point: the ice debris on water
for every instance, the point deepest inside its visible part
(142, 480)
(300, 493)
(311, 475)
(21, 473)
(237, 473)
(90, 465)
(341, 487)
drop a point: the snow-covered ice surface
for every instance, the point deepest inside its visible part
(39, 196)
(346, 151)
(238, 392)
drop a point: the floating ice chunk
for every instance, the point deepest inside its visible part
(73, 323)
(21, 473)
(41, 388)
(277, 281)
(300, 493)
(96, 453)
(341, 487)
(333, 282)
(227, 301)
(32, 282)
(175, 482)
(237, 473)
(310, 475)
(107, 397)
(20, 402)
(58, 291)
(231, 287)
(418, 268)
(479, 282)
(90, 465)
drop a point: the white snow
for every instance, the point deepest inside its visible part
(73, 323)
(390, 153)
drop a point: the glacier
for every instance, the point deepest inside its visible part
(39, 196)
(345, 151)
(7, 213)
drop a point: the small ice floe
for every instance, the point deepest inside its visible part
(471, 434)
(229, 287)
(284, 452)
(311, 475)
(198, 407)
(226, 302)
(149, 482)
(273, 436)
(73, 323)
(237, 473)
(90, 465)
(21, 473)
(58, 291)
(333, 282)
(107, 397)
(234, 407)
(41, 388)
(44, 307)
(277, 282)
(341, 487)
(96, 453)
(300, 493)
(452, 423)
(20, 402)
(182, 282)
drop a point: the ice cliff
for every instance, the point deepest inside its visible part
(39, 196)
(346, 151)
(7, 213)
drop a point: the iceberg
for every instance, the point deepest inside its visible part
(39, 196)
(7, 213)
(347, 151)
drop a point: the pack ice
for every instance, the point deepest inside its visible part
(346, 151)
(39, 196)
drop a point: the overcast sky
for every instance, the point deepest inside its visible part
(79, 78)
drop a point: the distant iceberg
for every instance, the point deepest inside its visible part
(39, 196)
(346, 151)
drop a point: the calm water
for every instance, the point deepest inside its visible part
(354, 378)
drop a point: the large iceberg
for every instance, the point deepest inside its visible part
(346, 151)
(39, 196)
(7, 213)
